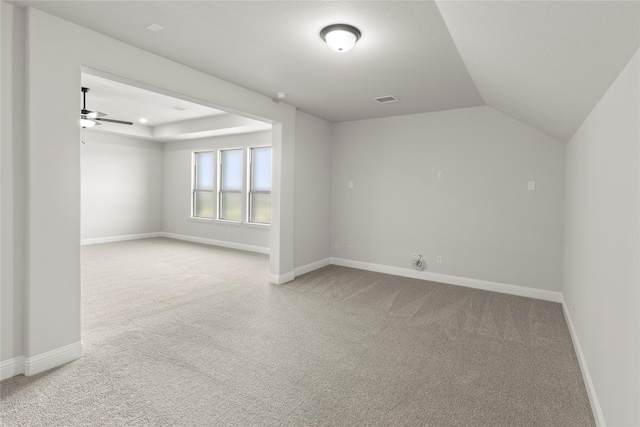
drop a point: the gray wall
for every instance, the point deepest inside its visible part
(480, 217)
(601, 283)
(13, 182)
(312, 190)
(177, 192)
(55, 52)
(121, 186)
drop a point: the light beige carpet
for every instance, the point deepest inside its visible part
(181, 334)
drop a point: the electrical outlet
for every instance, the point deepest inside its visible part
(336, 246)
(439, 259)
(350, 248)
(415, 255)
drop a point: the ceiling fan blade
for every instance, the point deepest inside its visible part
(88, 113)
(95, 116)
(92, 114)
(113, 121)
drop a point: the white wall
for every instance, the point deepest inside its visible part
(601, 282)
(12, 188)
(480, 217)
(55, 52)
(312, 190)
(121, 186)
(177, 192)
(132, 186)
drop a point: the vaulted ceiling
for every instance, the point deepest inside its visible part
(545, 63)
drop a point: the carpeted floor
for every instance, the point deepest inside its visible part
(182, 334)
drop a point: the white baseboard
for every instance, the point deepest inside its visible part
(98, 240)
(213, 242)
(12, 367)
(281, 279)
(504, 288)
(299, 271)
(586, 374)
(52, 359)
(41, 362)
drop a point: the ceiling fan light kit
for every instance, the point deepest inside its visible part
(340, 37)
(87, 123)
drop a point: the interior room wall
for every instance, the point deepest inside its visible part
(388, 201)
(177, 193)
(601, 282)
(312, 191)
(55, 52)
(121, 186)
(12, 186)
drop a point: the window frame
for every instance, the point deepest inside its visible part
(251, 191)
(194, 185)
(220, 191)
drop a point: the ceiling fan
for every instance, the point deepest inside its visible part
(90, 118)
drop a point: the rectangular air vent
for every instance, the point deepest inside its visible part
(178, 108)
(155, 28)
(385, 99)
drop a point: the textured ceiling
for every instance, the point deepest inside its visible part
(168, 118)
(126, 102)
(544, 63)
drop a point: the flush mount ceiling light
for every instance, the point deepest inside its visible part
(340, 37)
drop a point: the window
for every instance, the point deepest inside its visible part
(229, 193)
(202, 194)
(230, 185)
(260, 185)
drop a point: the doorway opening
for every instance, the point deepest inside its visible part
(143, 181)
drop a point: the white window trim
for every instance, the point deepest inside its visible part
(194, 190)
(219, 187)
(249, 181)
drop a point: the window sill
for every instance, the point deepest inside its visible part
(228, 222)
(257, 225)
(197, 219)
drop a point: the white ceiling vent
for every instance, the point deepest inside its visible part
(385, 99)
(155, 28)
(178, 108)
